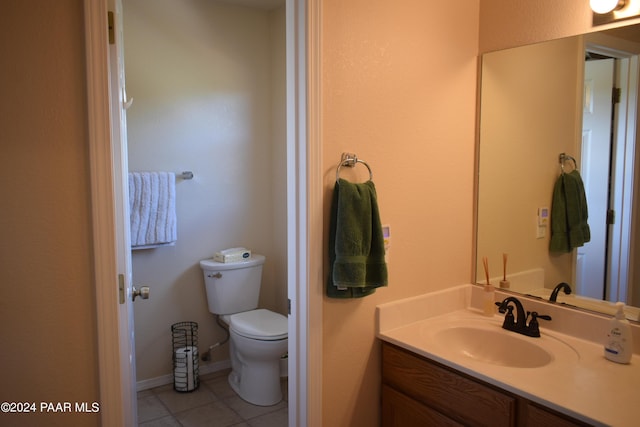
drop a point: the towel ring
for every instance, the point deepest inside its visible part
(564, 158)
(350, 161)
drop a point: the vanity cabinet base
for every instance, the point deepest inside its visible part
(417, 391)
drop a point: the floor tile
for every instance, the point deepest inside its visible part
(213, 404)
(177, 402)
(247, 410)
(167, 421)
(279, 418)
(150, 407)
(219, 386)
(145, 393)
(213, 414)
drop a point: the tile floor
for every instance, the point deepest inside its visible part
(213, 404)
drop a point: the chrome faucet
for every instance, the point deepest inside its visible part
(519, 325)
(565, 288)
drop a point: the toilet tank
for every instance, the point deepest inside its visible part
(232, 287)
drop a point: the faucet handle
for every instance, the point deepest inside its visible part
(535, 315)
(509, 319)
(533, 329)
(509, 315)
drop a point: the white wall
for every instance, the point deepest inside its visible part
(208, 86)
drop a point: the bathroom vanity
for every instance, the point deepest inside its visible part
(417, 391)
(444, 363)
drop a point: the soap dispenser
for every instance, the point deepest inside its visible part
(618, 346)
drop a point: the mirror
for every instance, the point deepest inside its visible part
(538, 102)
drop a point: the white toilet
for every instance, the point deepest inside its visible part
(258, 336)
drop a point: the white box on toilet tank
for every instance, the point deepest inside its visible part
(232, 255)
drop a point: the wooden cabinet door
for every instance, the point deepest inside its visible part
(398, 410)
(448, 392)
(535, 416)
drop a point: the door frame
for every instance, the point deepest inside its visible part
(304, 211)
(620, 269)
(116, 377)
(595, 160)
(623, 171)
(304, 208)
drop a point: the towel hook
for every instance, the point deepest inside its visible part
(565, 158)
(350, 160)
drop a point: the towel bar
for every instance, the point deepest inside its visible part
(186, 175)
(350, 160)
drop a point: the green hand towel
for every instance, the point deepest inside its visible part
(356, 244)
(569, 214)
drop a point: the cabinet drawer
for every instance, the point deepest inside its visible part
(536, 416)
(399, 410)
(450, 393)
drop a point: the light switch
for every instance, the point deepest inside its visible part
(386, 235)
(543, 216)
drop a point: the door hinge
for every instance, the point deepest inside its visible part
(289, 305)
(121, 290)
(611, 217)
(112, 29)
(615, 95)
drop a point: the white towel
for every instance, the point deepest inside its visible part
(152, 207)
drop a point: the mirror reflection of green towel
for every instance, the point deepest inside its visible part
(356, 244)
(569, 214)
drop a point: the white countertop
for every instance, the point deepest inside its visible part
(583, 385)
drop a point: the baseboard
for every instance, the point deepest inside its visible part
(168, 379)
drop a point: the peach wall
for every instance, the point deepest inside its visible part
(399, 90)
(47, 302)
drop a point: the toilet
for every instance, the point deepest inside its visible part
(258, 337)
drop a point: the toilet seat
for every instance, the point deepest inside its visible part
(259, 324)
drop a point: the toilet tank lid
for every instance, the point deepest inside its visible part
(259, 324)
(210, 264)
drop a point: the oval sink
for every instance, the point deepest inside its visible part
(498, 347)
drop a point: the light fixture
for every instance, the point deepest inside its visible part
(606, 6)
(607, 11)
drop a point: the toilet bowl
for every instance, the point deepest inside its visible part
(258, 337)
(258, 341)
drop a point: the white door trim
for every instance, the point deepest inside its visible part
(315, 276)
(305, 181)
(624, 171)
(621, 242)
(304, 200)
(116, 402)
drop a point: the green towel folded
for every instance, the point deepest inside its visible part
(356, 244)
(569, 214)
